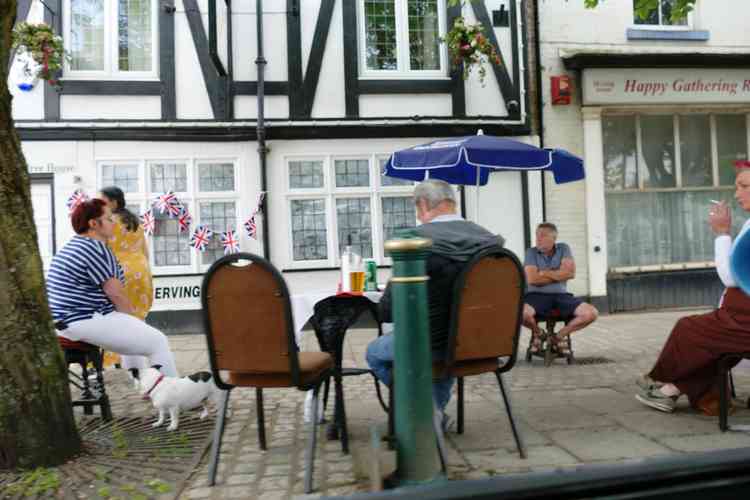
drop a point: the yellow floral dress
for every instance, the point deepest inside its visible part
(130, 250)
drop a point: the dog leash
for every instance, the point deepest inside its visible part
(158, 380)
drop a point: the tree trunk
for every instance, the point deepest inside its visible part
(36, 419)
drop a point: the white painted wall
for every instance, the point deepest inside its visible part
(93, 107)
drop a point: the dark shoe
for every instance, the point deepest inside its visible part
(655, 399)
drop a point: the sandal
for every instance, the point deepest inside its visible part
(561, 344)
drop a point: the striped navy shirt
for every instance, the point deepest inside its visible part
(75, 279)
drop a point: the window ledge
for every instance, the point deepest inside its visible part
(667, 34)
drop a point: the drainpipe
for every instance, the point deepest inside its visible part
(540, 101)
(260, 62)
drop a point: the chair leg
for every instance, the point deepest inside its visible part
(391, 419)
(218, 434)
(460, 404)
(340, 413)
(723, 410)
(731, 384)
(310, 452)
(261, 419)
(516, 431)
(325, 394)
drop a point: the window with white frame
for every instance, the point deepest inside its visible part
(661, 172)
(402, 37)
(660, 15)
(335, 201)
(207, 188)
(111, 38)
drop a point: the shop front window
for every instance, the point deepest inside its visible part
(659, 15)
(657, 194)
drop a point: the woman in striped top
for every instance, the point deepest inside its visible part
(85, 286)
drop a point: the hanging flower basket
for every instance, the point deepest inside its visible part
(45, 48)
(468, 45)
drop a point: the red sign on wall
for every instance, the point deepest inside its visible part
(561, 89)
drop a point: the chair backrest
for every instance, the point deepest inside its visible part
(487, 308)
(248, 318)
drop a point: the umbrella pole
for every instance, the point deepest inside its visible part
(476, 200)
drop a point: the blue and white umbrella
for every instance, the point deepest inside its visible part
(470, 160)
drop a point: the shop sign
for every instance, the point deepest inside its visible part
(665, 86)
(50, 168)
(177, 292)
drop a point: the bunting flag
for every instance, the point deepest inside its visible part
(168, 203)
(76, 199)
(259, 206)
(200, 238)
(251, 228)
(184, 219)
(149, 222)
(230, 241)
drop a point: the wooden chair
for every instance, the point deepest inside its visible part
(486, 321)
(83, 354)
(250, 333)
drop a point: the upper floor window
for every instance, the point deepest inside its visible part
(402, 37)
(111, 38)
(660, 15)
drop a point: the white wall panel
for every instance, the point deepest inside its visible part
(28, 105)
(330, 96)
(190, 90)
(405, 105)
(94, 107)
(246, 107)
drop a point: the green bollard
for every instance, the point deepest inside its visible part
(417, 456)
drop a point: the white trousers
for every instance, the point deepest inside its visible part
(128, 336)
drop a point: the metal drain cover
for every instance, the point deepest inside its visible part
(125, 458)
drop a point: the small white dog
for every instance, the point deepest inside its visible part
(172, 394)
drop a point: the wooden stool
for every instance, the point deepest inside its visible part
(548, 350)
(82, 354)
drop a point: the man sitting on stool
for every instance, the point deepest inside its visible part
(548, 267)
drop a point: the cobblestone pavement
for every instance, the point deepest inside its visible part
(569, 415)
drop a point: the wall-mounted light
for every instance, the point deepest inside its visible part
(500, 18)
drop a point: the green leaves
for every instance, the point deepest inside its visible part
(644, 8)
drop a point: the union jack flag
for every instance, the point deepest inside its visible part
(149, 222)
(251, 227)
(76, 199)
(261, 197)
(200, 238)
(230, 241)
(184, 219)
(168, 203)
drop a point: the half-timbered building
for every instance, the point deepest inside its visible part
(303, 100)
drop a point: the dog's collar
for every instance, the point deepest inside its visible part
(158, 380)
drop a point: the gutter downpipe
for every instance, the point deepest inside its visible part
(260, 62)
(539, 100)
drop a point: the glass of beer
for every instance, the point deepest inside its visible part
(357, 280)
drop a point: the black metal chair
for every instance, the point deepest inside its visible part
(250, 332)
(92, 394)
(549, 350)
(726, 363)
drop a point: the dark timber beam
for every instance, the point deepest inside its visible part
(458, 90)
(216, 86)
(251, 88)
(315, 61)
(507, 88)
(166, 61)
(213, 51)
(110, 87)
(51, 96)
(350, 58)
(294, 59)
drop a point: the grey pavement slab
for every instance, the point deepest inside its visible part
(568, 415)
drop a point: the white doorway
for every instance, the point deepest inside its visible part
(42, 201)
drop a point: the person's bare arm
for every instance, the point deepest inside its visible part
(116, 293)
(566, 272)
(536, 277)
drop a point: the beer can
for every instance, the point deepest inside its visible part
(371, 276)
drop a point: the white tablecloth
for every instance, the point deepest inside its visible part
(303, 307)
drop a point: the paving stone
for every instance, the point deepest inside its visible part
(241, 479)
(705, 442)
(273, 495)
(564, 417)
(237, 492)
(273, 483)
(199, 493)
(607, 443)
(503, 460)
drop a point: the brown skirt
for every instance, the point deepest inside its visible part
(689, 359)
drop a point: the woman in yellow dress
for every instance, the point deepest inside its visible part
(128, 243)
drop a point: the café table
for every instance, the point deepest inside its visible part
(330, 315)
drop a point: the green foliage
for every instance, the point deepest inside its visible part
(46, 48)
(468, 45)
(39, 481)
(643, 8)
(158, 486)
